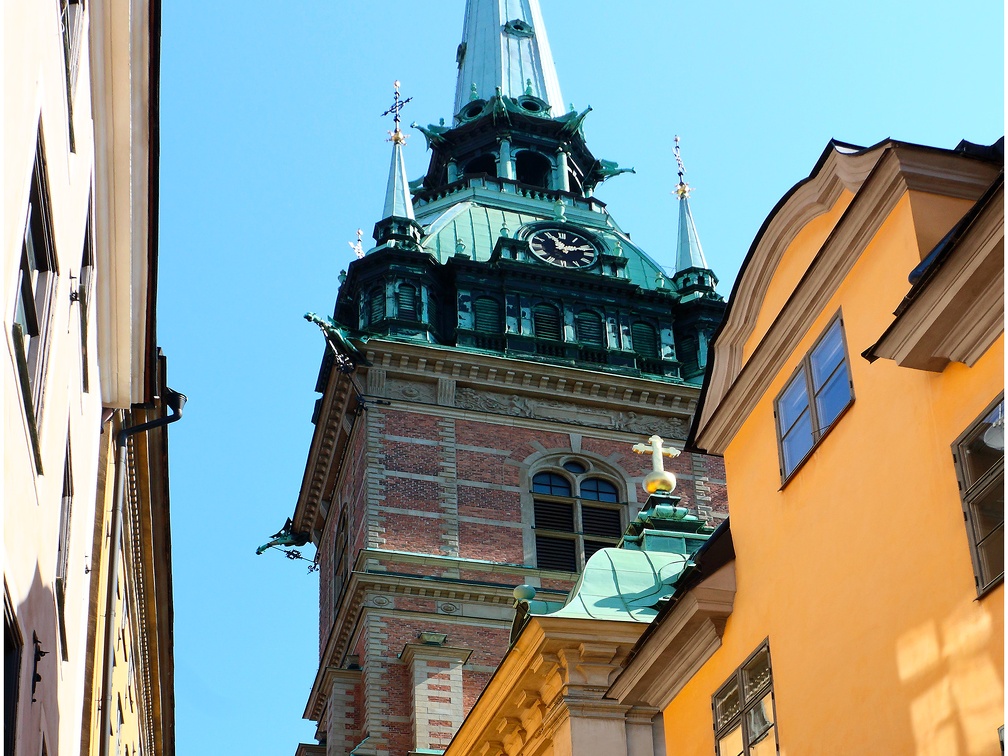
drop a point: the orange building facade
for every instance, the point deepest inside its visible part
(864, 456)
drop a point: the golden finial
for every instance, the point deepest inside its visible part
(658, 479)
(397, 105)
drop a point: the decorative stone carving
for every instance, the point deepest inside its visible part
(568, 412)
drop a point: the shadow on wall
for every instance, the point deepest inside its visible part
(955, 688)
(37, 704)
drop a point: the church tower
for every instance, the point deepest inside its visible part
(489, 364)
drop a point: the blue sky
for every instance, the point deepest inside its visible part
(273, 154)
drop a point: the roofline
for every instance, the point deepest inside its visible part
(833, 146)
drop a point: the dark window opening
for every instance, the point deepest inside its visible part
(484, 164)
(589, 329)
(575, 183)
(376, 305)
(36, 285)
(645, 340)
(487, 315)
(533, 169)
(546, 322)
(63, 549)
(569, 529)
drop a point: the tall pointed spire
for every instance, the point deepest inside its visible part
(398, 203)
(504, 45)
(689, 253)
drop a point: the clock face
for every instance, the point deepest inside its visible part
(562, 247)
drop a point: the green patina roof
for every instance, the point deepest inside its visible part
(619, 584)
(476, 214)
(628, 583)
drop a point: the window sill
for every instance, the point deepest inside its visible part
(984, 592)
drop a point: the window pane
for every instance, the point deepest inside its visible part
(987, 509)
(731, 744)
(797, 443)
(575, 467)
(555, 554)
(767, 746)
(991, 555)
(756, 674)
(829, 353)
(727, 704)
(599, 490)
(759, 719)
(551, 483)
(554, 515)
(832, 398)
(984, 446)
(792, 403)
(601, 522)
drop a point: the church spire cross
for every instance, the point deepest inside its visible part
(397, 105)
(658, 479)
(682, 188)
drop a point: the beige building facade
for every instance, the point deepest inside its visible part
(78, 293)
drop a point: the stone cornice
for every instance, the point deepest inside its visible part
(733, 389)
(679, 644)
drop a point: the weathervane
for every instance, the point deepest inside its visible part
(682, 189)
(396, 136)
(358, 247)
(658, 479)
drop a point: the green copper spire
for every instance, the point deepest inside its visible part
(504, 45)
(398, 203)
(689, 253)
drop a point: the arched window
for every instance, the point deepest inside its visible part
(588, 326)
(340, 562)
(533, 169)
(487, 315)
(433, 310)
(484, 164)
(576, 513)
(546, 322)
(376, 305)
(645, 340)
(406, 302)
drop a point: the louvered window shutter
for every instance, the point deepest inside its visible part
(406, 302)
(546, 319)
(377, 305)
(589, 329)
(487, 315)
(645, 341)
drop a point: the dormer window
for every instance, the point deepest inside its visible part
(533, 169)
